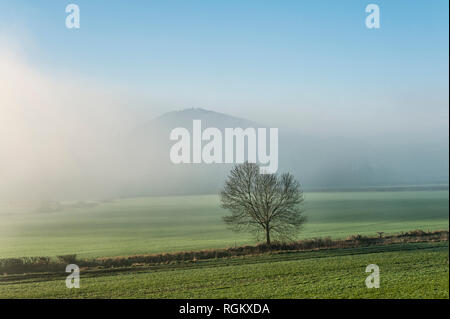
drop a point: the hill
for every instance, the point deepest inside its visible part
(331, 162)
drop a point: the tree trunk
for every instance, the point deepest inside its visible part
(267, 236)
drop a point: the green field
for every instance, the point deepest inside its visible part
(406, 271)
(159, 224)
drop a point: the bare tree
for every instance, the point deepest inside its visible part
(263, 203)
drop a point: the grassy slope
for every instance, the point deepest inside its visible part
(407, 271)
(146, 225)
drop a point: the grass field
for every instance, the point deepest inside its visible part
(160, 224)
(418, 270)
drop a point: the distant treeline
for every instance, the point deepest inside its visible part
(59, 263)
(436, 187)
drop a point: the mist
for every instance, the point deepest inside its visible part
(58, 133)
(66, 136)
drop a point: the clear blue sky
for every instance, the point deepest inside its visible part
(244, 55)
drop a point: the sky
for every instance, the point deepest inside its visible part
(308, 65)
(249, 58)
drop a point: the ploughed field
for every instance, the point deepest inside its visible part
(122, 227)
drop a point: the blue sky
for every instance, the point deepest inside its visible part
(247, 57)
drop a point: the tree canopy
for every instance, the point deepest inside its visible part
(266, 204)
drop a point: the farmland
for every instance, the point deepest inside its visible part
(124, 227)
(129, 226)
(414, 270)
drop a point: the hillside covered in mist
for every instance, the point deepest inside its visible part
(138, 163)
(331, 162)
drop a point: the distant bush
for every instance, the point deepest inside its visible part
(27, 264)
(68, 259)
